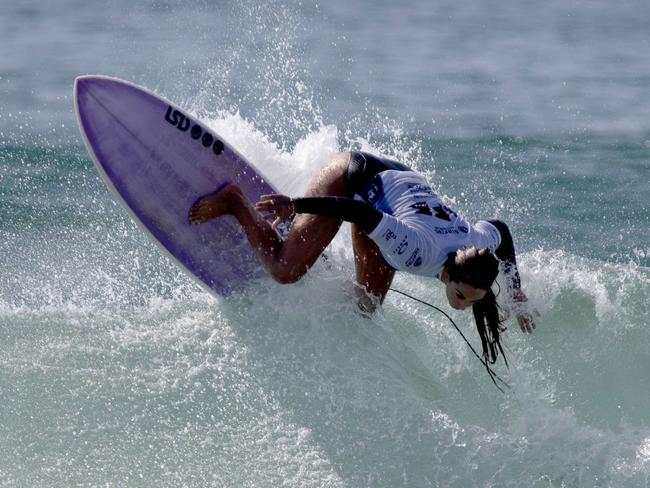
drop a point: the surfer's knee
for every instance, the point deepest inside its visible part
(286, 275)
(285, 271)
(331, 179)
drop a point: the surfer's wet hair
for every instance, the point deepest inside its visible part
(479, 268)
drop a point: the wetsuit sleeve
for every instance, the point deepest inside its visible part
(348, 209)
(403, 246)
(506, 253)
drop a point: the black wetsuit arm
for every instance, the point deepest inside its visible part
(348, 209)
(506, 253)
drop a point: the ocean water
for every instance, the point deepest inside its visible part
(117, 370)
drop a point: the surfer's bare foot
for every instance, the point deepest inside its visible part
(214, 204)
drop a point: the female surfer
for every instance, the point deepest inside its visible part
(398, 223)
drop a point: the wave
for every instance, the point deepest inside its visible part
(106, 344)
(291, 380)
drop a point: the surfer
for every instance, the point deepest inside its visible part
(398, 223)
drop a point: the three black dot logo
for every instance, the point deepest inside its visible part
(206, 139)
(218, 147)
(182, 123)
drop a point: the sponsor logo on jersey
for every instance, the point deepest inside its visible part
(415, 259)
(389, 234)
(422, 208)
(401, 249)
(374, 191)
(443, 212)
(461, 229)
(420, 188)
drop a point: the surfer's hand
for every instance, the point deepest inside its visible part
(524, 317)
(276, 205)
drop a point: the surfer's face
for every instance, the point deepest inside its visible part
(462, 295)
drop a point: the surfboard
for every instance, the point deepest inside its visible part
(158, 160)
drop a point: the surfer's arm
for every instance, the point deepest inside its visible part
(506, 253)
(348, 209)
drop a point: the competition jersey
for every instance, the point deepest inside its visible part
(417, 230)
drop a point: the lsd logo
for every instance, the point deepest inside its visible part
(176, 118)
(182, 122)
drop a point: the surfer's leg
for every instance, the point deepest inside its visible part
(289, 259)
(212, 205)
(374, 275)
(310, 234)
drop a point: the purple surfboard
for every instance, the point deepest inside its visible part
(159, 160)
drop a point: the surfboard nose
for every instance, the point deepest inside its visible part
(81, 87)
(91, 89)
(98, 88)
(81, 80)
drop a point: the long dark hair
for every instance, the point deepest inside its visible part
(479, 268)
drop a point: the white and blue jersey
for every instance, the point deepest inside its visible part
(417, 230)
